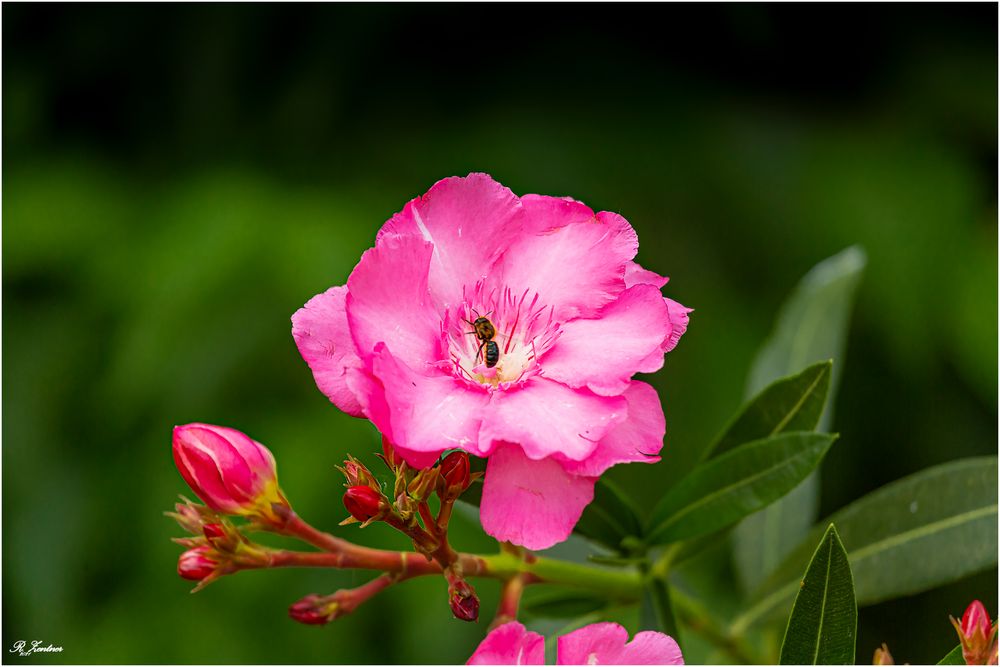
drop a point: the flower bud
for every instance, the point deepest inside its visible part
(977, 634)
(196, 564)
(392, 459)
(455, 474)
(465, 608)
(356, 473)
(214, 531)
(423, 484)
(363, 502)
(313, 610)
(230, 472)
(189, 516)
(882, 656)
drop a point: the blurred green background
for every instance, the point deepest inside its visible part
(178, 180)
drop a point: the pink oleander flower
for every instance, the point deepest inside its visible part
(230, 472)
(575, 318)
(596, 644)
(977, 634)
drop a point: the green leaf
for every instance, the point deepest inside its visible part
(725, 489)
(811, 326)
(793, 403)
(914, 534)
(954, 657)
(657, 611)
(822, 628)
(610, 519)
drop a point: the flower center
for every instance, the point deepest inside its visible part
(523, 330)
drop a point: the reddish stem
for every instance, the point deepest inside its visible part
(362, 558)
(510, 600)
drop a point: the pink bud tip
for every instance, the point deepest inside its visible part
(455, 471)
(362, 502)
(196, 564)
(214, 531)
(310, 610)
(230, 472)
(976, 618)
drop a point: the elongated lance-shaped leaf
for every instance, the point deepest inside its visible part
(914, 534)
(793, 403)
(723, 490)
(812, 326)
(954, 657)
(610, 518)
(822, 628)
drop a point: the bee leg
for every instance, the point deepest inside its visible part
(480, 350)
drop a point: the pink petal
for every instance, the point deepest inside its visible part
(637, 439)
(388, 301)
(625, 337)
(531, 503)
(575, 267)
(545, 417)
(678, 323)
(543, 213)
(324, 340)
(256, 456)
(469, 221)
(428, 413)
(636, 275)
(510, 644)
(678, 314)
(213, 468)
(605, 644)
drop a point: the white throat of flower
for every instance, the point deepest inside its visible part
(524, 331)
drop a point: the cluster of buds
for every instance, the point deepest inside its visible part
(236, 476)
(217, 548)
(409, 511)
(977, 634)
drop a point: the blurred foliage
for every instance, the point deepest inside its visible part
(179, 179)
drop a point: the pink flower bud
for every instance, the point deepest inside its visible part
(455, 473)
(313, 610)
(196, 564)
(230, 472)
(214, 531)
(977, 634)
(363, 502)
(976, 619)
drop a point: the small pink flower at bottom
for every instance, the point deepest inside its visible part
(596, 644)
(572, 318)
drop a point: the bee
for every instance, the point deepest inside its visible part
(483, 328)
(492, 355)
(484, 331)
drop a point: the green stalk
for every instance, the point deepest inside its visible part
(615, 584)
